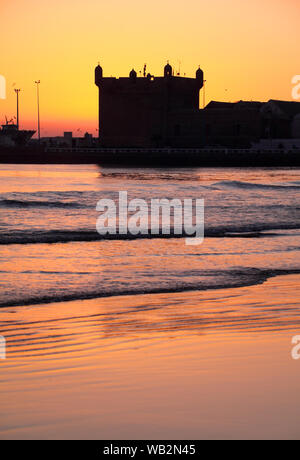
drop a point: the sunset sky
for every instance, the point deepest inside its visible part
(247, 49)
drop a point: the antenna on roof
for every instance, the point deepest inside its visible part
(179, 68)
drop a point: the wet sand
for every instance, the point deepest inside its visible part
(193, 365)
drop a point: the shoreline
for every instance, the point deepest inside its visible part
(259, 277)
(202, 356)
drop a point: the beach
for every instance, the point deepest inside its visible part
(149, 338)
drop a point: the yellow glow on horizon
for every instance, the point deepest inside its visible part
(248, 50)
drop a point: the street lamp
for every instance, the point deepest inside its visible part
(38, 106)
(17, 93)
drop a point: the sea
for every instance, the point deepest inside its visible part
(145, 336)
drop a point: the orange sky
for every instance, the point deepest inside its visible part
(247, 49)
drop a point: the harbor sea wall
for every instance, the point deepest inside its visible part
(152, 156)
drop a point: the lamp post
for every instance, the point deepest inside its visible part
(38, 107)
(17, 93)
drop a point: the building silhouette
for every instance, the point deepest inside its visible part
(243, 123)
(145, 111)
(164, 111)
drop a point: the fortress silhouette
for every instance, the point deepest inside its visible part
(152, 112)
(145, 111)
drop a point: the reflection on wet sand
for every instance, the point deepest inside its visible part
(190, 365)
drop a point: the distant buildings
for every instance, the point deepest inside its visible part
(11, 136)
(243, 123)
(68, 141)
(163, 111)
(150, 112)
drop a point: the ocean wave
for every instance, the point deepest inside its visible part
(69, 236)
(149, 176)
(231, 279)
(11, 203)
(250, 185)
